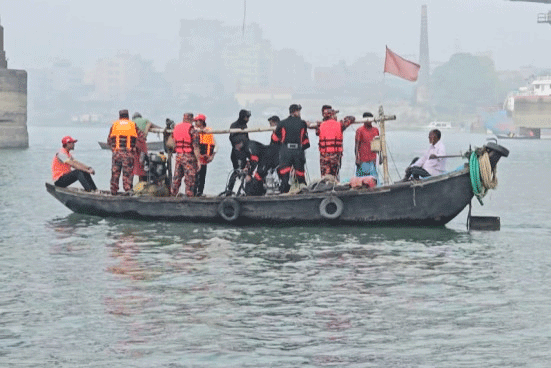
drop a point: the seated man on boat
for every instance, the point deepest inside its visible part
(142, 127)
(263, 160)
(432, 163)
(66, 170)
(292, 134)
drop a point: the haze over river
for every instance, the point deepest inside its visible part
(83, 291)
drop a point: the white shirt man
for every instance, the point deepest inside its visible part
(432, 163)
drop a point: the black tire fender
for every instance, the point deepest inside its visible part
(496, 147)
(229, 209)
(331, 207)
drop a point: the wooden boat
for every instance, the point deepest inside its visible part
(430, 202)
(151, 146)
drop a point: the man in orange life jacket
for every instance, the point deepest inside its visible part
(186, 139)
(63, 164)
(122, 137)
(207, 149)
(292, 134)
(330, 133)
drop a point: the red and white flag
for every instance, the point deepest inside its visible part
(400, 67)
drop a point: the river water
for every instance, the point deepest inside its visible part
(82, 291)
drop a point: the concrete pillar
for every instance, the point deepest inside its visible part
(13, 109)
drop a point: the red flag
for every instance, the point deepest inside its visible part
(400, 67)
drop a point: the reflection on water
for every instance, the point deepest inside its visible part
(303, 295)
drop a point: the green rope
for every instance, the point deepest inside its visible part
(476, 183)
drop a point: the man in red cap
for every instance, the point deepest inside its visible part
(66, 170)
(207, 149)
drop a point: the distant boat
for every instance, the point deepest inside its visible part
(514, 136)
(439, 125)
(151, 146)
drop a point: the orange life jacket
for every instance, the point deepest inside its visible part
(59, 168)
(330, 136)
(182, 137)
(123, 134)
(206, 143)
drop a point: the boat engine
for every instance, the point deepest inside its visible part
(155, 165)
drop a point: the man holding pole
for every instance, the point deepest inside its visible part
(330, 133)
(432, 163)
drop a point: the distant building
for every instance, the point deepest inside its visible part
(114, 78)
(218, 59)
(13, 103)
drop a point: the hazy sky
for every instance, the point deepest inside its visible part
(38, 32)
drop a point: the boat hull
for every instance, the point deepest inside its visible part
(431, 202)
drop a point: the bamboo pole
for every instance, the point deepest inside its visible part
(382, 134)
(221, 131)
(254, 130)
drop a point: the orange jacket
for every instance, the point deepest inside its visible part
(59, 168)
(123, 134)
(182, 137)
(330, 136)
(206, 143)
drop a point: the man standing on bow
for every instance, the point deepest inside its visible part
(122, 138)
(292, 134)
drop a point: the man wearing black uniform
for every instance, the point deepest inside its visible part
(292, 134)
(239, 152)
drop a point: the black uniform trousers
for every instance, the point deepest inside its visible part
(83, 177)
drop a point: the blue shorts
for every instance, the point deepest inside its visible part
(367, 169)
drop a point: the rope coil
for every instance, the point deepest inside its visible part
(481, 174)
